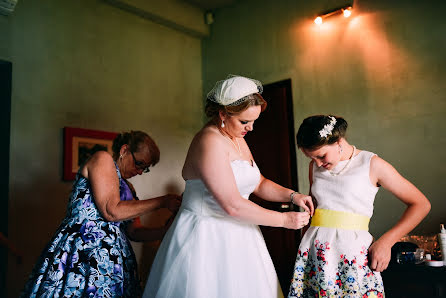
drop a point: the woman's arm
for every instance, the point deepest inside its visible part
(384, 174)
(270, 191)
(101, 172)
(139, 233)
(211, 162)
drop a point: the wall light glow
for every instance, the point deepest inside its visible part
(318, 20)
(345, 10)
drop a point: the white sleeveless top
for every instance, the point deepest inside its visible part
(350, 191)
(334, 259)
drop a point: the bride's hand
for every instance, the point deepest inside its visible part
(295, 220)
(304, 201)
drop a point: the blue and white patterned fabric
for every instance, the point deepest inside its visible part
(88, 256)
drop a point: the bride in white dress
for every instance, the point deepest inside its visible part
(214, 248)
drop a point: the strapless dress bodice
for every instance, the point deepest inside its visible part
(198, 199)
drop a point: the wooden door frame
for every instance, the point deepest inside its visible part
(292, 136)
(282, 243)
(5, 125)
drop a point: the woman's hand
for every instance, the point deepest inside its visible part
(295, 220)
(172, 202)
(304, 201)
(379, 255)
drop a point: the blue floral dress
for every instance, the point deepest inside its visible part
(88, 256)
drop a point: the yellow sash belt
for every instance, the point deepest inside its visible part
(340, 220)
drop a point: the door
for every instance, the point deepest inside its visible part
(5, 117)
(272, 143)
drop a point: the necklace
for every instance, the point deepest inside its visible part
(346, 165)
(236, 147)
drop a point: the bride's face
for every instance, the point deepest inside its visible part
(239, 125)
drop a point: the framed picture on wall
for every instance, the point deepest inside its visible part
(80, 144)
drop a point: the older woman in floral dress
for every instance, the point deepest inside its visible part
(90, 254)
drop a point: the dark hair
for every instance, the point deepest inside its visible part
(308, 136)
(212, 108)
(137, 141)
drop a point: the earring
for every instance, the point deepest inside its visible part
(120, 156)
(222, 124)
(340, 149)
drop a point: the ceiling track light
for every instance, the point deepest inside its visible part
(346, 11)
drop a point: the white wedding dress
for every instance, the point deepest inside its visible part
(208, 254)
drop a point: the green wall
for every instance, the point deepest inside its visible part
(383, 69)
(87, 64)
(90, 65)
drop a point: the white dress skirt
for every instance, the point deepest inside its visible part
(206, 253)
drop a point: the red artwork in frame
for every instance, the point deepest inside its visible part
(80, 144)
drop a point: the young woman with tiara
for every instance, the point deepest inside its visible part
(336, 257)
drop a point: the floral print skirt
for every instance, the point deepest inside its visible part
(93, 259)
(333, 263)
(88, 256)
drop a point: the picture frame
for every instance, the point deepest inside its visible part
(80, 144)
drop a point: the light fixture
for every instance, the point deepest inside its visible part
(346, 10)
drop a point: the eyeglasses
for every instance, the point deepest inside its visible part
(140, 165)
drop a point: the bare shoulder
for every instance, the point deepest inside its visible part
(99, 160)
(382, 172)
(206, 138)
(206, 143)
(378, 164)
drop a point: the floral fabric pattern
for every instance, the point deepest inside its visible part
(88, 256)
(314, 276)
